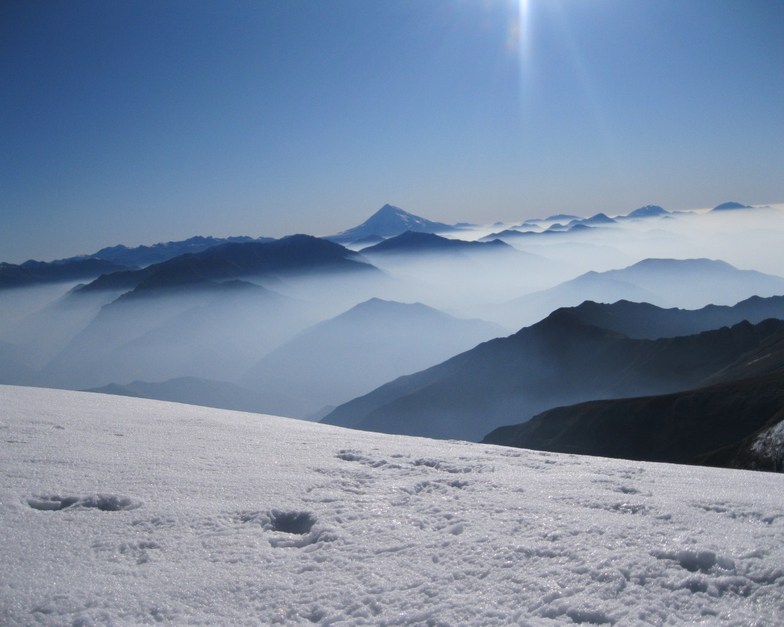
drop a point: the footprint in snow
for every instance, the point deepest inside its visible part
(100, 502)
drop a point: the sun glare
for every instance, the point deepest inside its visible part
(522, 24)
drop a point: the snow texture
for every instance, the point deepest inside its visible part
(128, 511)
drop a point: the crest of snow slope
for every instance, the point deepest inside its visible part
(129, 511)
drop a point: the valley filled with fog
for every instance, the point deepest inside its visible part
(404, 325)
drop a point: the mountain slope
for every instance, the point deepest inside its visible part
(710, 424)
(359, 350)
(555, 362)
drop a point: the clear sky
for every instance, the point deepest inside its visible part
(146, 120)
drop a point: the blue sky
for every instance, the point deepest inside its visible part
(142, 121)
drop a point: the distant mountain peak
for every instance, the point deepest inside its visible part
(390, 221)
(380, 305)
(730, 206)
(648, 211)
(681, 264)
(599, 218)
(391, 209)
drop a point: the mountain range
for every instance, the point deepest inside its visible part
(560, 360)
(295, 254)
(686, 283)
(147, 255)
(108, 260)
(298, 325)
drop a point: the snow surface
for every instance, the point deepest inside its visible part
(129, 511)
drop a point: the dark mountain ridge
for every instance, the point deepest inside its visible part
(646, 321)
(736, 422)
(716, 425)
(111, 259)
(286, 256)
(38, 272)
(557, 361)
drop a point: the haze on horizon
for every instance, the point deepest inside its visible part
(144, 122)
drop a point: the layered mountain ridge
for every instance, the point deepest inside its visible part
(560, 360)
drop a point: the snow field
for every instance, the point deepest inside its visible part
(128, 511)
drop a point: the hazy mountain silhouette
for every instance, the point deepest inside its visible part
(552, 232)
(454, 275)
(600, 219)
(419, 242)
(555, 362)
(716, 425)
(42, 334)
(389, 221)
(359, 350)
(558, 217)
(730, 206)
(509, 234)
(147, 255)
(688, 283)
(565, 223)
(295, 254)
(214, 333)
(66, 270)
(648, 211)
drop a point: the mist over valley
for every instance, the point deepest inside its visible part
(406, 325)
